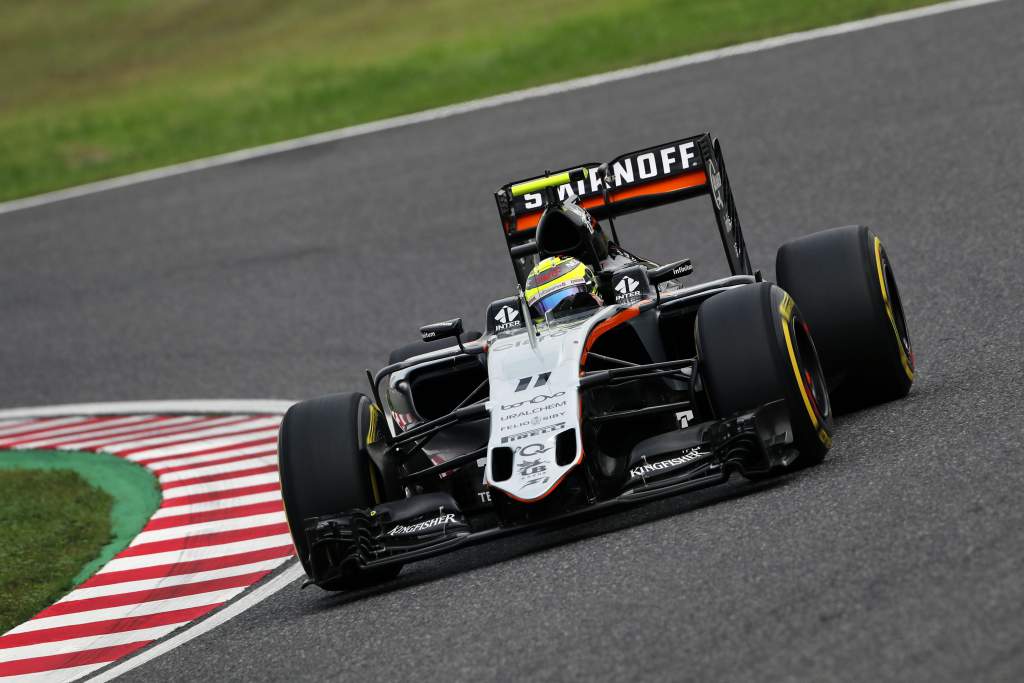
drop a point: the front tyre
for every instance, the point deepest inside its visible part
(753, 348)
(844, 283)
(324, 469)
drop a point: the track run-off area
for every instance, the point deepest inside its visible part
(289, 273)
(220, 528)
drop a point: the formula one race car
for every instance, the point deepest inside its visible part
(626, 384)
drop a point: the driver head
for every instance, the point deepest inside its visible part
(560, 284)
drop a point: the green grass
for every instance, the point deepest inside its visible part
(62, 516)
(95, 89)
(54, 522)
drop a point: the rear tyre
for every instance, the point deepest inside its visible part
(845, 286)
(753, 347)
(324, 469)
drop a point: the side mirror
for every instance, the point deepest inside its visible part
(670, 271)
(442, 330)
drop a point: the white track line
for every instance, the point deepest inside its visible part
(168, 581)
(486, 103)
(57, 675)
(285, 578)
(187, 406)
(61, 647)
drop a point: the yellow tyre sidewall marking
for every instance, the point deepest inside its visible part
(904, 360)
(372, 435)
(786, 312)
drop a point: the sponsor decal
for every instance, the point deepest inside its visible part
(535, 411)
(684, 458)
(716, 184)
(682, 269)
(538, 399)
(524, 383)
(398, 529)
(557, 427)
(534, 470)
(517, 425)
(718, 193)
(513, 343)
(626, 285)
(532, 450)
(507, 318)
(630, 170)
(484, 496)
(627, 289)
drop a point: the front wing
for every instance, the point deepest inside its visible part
(345, 544)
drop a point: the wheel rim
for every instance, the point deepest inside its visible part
(896, 305)
(812, 376)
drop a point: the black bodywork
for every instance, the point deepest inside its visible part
(647, 426)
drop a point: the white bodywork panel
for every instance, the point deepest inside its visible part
(534, 396)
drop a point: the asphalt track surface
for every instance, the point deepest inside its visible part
(899, 558)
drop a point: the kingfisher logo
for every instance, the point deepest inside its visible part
(507, 318)
(442, 520)
(668, 464)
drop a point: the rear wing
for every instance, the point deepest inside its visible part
(644, 179)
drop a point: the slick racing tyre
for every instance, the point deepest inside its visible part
(325, 469)
(844, 284)
(753, 348)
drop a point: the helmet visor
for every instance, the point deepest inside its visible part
(550, 302)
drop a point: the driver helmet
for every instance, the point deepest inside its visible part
(560, 283)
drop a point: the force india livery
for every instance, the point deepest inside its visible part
(606, 379)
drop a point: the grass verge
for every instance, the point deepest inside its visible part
(64, 515)
(108, 87)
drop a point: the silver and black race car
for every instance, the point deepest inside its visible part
(657, 387)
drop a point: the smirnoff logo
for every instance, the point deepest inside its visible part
(635, 168)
